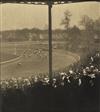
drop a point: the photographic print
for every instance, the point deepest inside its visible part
(49, 56)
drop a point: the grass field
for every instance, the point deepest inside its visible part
(32, 63)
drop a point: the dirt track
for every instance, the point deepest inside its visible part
(34, 64)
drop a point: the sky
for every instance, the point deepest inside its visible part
(19, 16)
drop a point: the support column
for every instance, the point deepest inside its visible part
(50, 38)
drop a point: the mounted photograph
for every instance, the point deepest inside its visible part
(49, 56)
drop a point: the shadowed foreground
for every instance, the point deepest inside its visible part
(48, 99)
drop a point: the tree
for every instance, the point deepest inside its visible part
(97, 30)
(97, 24)
(66, 20)
(87, 22)
(74, 37)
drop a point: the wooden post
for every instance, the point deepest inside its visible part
(50, 37)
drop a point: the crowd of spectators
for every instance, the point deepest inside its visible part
(75, 89)
(90, 69)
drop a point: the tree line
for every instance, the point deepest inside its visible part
(84, 38)
(87, 37)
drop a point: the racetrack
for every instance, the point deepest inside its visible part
(35, 64)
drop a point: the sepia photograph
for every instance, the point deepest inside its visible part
(49, 56)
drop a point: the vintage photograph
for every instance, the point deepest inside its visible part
(49, 56)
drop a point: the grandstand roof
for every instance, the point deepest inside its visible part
(44, 2)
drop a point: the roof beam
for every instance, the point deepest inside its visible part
(44, 2)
